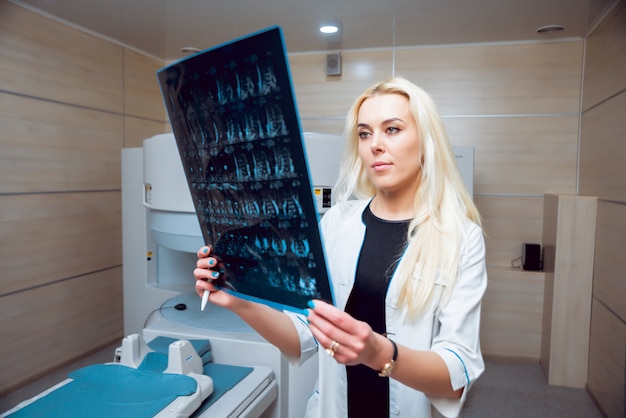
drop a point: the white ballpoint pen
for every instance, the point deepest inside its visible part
(205, 299)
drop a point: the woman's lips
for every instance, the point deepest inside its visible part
(380, 165)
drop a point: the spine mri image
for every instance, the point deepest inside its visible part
(233, 115)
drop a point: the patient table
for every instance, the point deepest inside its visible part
(162, 378)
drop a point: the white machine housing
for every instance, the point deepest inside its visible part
(161, 235)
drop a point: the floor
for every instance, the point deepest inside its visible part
(104, 355)
(512, 390)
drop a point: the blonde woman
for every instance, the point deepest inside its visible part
(406, 257)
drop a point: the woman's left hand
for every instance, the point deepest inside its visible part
(348, 340)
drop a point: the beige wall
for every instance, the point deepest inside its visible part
(71, 101)
(603, 174)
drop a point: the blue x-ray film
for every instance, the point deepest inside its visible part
(235, 121)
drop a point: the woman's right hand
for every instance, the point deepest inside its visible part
(274, 325)
(207, 274)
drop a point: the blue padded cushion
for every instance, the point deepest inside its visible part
(154, 362)
(111, 390)
(162, 345)
(225, 377)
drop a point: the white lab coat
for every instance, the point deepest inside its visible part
(452, 331)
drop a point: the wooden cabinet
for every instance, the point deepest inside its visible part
(511, 315)
(569, 230)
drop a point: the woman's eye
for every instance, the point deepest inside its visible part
(393, 129)
(363, 134)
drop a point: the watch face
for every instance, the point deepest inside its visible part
(386, 371)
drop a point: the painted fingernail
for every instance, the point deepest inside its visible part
(215, 274)
(310, 304)
(205, 250)
(305, 312)
(211, 261)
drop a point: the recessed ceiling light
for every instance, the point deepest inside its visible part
(550, 28)
(329, 29)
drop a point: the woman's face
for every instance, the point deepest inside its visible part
(389, 144)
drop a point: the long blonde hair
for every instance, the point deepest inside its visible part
(442, 203)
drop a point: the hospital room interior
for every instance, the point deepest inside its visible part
(99, 230)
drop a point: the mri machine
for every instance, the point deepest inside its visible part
(161, 236)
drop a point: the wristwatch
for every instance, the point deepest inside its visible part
(388, 368)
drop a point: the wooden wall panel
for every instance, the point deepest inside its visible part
(602, 150)
(510, 221)
(533, 78)
(568, 241)
(325, 126)
(63, 128)
(48, 146)
(603, 174)
(320, 95)
(138, 129)
(607, 360)
(42, 58)
(142, 95)
(609, 282)
(511, 314)
(520, 155)
(605, 60)
(51, 325)
(51, 237)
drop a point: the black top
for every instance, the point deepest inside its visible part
(384, 243)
